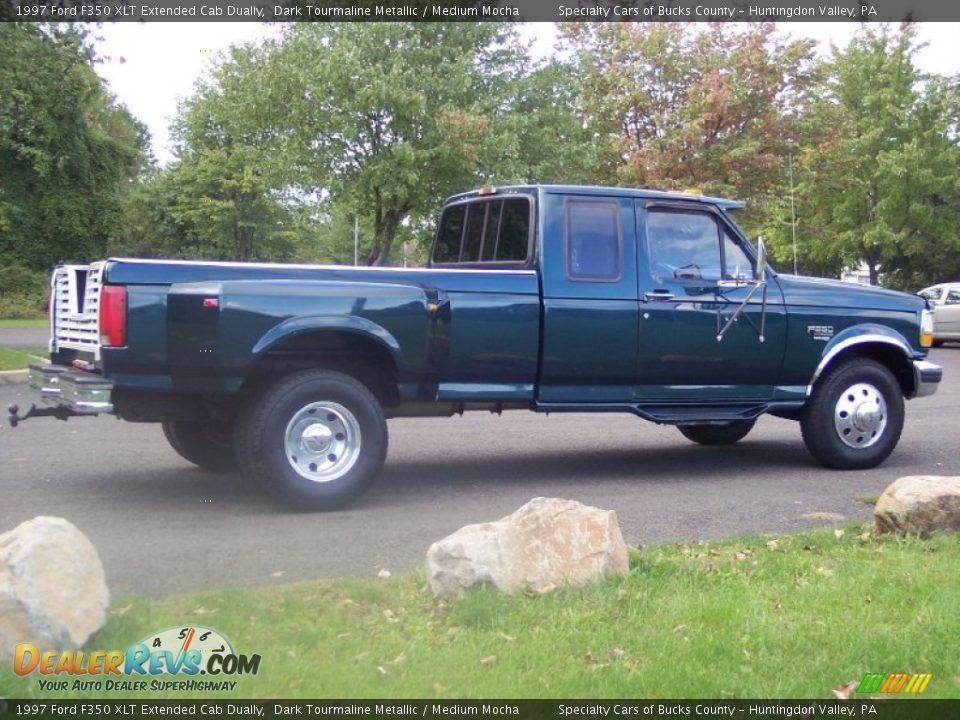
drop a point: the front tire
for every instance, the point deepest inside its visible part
(855, 417)
(315, 439)
(207, 444)
(725, 434)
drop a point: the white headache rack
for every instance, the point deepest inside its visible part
(76, 307)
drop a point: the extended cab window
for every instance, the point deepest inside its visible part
(593, 240)
(693, 246)
(494, 230)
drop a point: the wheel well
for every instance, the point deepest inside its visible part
(353, 354)
(887, 355)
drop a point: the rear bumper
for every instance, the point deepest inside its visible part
(79, 392)
(926, 378)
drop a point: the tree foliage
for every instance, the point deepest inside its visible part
(68, 152)
(223, 197)
(392, 116)
(386, 119)
(287, 146)
(681, 106)
(879, 184)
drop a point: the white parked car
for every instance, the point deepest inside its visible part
(945, 301)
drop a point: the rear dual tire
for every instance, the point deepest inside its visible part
(314, 439)
(206, 444)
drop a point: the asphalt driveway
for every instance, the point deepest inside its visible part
(163, 526)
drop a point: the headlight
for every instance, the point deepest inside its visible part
(926, 328)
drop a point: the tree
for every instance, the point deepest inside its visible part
(542, 136)
(883, 186)
(681, 106)
(386, 119)
(222, 198)
(229, 170)
(68, 152)
(209, 206)
(287, 146)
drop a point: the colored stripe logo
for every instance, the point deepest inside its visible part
(894, 683)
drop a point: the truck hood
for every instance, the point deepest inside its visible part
(821, 292)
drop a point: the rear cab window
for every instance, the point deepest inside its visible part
(494, 230)
(594, 249)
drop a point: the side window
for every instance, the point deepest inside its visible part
(953, 298)
(496, 230)
(593, 246)
(933, 293)
(737, 266)
(686, 246)
(450, 235)
(683, 245)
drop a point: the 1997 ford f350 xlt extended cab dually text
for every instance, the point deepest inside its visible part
(544, 298)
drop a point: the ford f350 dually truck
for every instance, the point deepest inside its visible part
(544, 298)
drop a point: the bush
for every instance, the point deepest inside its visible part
(23, 292)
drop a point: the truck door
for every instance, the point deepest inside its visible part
(691, 258)
(589, 276)
(947, 319)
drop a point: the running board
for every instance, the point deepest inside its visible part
(666, 414)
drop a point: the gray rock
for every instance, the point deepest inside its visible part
(52, 588)
(919, 505)
(546, 543)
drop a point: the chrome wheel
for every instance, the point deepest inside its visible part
(322, 441)
(854, 416)
(315, 439)
(860, 415)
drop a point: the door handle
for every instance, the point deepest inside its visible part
(657, 295)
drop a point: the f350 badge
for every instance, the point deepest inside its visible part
(820, 332)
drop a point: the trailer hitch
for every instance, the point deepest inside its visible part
(15, 418)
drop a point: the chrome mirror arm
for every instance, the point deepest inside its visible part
(757, 285)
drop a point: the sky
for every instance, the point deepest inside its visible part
(152, 67)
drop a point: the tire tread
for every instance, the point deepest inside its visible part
(254, 456)
(816, 420)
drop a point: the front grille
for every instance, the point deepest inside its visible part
(76, 307)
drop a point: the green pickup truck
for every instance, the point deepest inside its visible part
(543, 298)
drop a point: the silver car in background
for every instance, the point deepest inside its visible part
(945, 301)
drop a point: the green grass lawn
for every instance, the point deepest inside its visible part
(761, 617)
(20, 358)
(10, 324)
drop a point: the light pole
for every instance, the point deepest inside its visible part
(356, 241)
(793, 214)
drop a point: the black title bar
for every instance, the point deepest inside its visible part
(479, 10)
(488, 709)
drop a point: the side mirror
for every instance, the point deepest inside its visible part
(758, 285)
(761, 258)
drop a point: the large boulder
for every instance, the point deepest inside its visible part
(546, 543)
(52, 588)
(919, 505)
